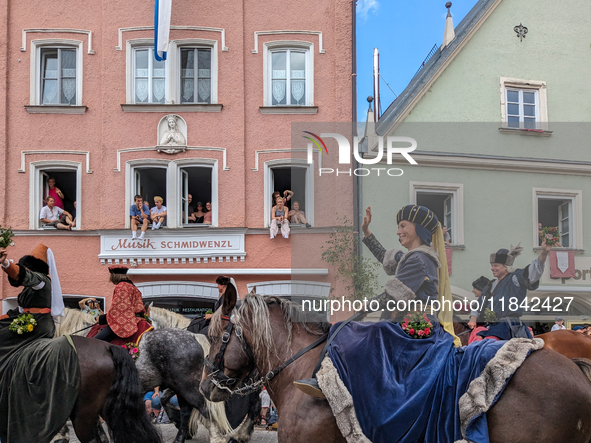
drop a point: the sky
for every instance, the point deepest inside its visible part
(404, 32)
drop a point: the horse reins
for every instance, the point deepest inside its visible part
(222, 381)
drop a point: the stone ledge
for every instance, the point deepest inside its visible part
(48, 109)
(168, 108)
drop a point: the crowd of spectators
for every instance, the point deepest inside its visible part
(200, 213)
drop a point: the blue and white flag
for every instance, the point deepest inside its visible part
(161, 28)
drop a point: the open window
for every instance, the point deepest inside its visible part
(557, 213)
(282, 176)
(559, 209)
(66, 176)
(150, 182)
(196, 187)
(446, 201)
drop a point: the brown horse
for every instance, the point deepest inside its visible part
(109, 387)
(551, 393)
(568, 343)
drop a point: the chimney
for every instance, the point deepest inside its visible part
(448, 34)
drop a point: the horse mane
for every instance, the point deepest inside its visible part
(253, 315)
(72, 321)
(163, 318)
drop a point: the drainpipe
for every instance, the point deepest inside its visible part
(356, 180)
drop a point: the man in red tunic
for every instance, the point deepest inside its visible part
(127, 309)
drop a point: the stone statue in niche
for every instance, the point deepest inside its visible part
(172, 131)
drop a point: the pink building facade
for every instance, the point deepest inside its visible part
(86, 103)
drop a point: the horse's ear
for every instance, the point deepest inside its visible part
(230, 298)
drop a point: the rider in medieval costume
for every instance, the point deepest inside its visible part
(420, 273)
(200, 325)
(33, 365)
(127, 309)
(510, 283)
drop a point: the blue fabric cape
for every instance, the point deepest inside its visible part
(407, 390)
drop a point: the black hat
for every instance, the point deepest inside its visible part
(506, 257)
(118, 269)
(480, 283)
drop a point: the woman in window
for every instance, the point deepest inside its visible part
(207, 215)
(199, 214)
(279, 217)
(297, 216)
(55, 192)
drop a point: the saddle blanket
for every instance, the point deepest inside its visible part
(142, 327)
(384, 386)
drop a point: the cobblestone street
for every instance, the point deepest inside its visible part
(169, 431)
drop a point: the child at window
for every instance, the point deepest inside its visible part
(279, 217)
(158, 213)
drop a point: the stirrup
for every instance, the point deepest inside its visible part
(310, 387)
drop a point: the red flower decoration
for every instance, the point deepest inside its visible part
(421, 333)
(427, 331)
(411, 331)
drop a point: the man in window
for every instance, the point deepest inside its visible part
(51, 215)
(504, 295)
(140, 215)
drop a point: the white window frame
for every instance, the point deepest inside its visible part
(457, 190)
(268, 187)
(139, 44)
(175, 66)
(36, 65)
(36, 193)
(298, 45)
(173, 186)
(172, 67)
(576, 215)
(197, 163)
(508, 83)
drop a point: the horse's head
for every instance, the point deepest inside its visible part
(230, 357)
(257, 339)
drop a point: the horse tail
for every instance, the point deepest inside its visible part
(584, 365)
(124, 409)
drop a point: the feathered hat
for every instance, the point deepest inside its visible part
(506, 257)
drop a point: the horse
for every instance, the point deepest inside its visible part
(187, 350)
(568, 343)
(109, 387)
(266, 331)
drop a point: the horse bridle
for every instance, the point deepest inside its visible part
(222, 381)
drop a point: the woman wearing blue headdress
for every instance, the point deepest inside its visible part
(420, 273)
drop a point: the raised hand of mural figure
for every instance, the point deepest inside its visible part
(366, 222)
